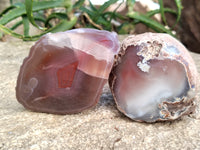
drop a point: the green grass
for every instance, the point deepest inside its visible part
(32, 12)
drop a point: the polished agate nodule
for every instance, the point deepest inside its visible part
(66, 71)
(154, 78)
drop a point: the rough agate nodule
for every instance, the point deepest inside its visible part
(154, 78)
(66, 71)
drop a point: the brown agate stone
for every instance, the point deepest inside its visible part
(154, 78)
(66, 71)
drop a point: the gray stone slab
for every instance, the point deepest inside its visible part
(102, 127)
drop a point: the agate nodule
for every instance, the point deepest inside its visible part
(154, 78)
(66, 71)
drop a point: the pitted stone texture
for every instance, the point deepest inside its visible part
(102, 127)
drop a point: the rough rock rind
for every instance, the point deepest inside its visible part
(155, 46)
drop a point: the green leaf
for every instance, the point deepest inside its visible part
(11, 15)
(92, 6)
(179, 8)
(21, 22)
(157, 11)
(16, 25)
(89, 12)
(39, 18)
(56, 15)
(116, 15)
(29, 12)
(10, 32)
(26, 25)
(62, 26)
(78, 4)
(113, 15)
(162, 12)
(103, 7)
(153, 12)
(149, 22)
(39, 5)
(104, 22)
(6, 10)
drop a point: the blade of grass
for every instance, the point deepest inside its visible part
(39, 5)
(91, 22)
(162, 12)
(179, 8)
(150, 22)
(10, 32)
(62, 26)
(78, 4)
(93, 8)
(39, 18)
(26, 25)
(104, 22)
(117, 15)
(113, 13)
(157, 11)
(29, 12)
(97, 14)
(20, 22)
(103, 7)
(56, 15)
(6, 10)
(89, 12)
(153, 12)
(16, 25)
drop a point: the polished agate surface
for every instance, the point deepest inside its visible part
(66, 71)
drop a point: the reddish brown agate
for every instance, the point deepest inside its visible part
(154, 78)
(66, 71)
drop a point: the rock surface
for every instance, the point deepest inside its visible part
(102, 127)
